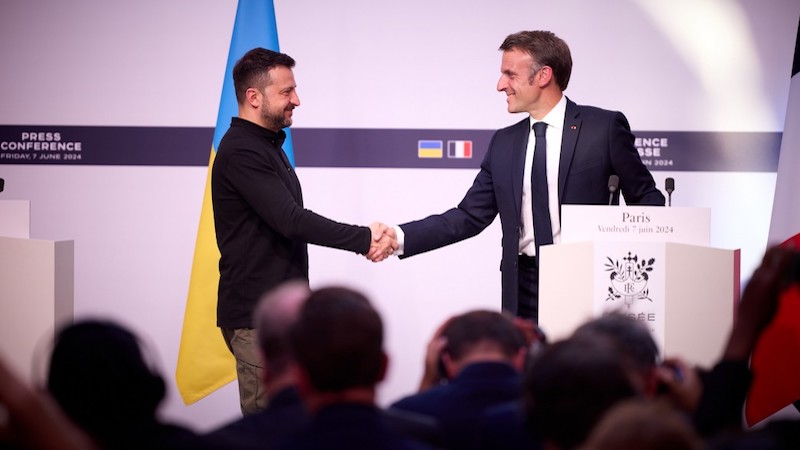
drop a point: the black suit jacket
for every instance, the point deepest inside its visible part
(351, 426)
(284, 417)
(596, 143)
(459, 405)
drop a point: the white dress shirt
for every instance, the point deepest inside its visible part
(555, 130)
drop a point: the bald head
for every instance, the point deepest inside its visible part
(277, 311)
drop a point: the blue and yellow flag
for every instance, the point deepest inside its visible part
(204, 362)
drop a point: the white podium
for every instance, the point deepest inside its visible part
(651, 263)
(36, 286)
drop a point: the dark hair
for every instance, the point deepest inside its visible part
(547, 49)
(629, 335)
(465, 331)
(338, 340)
(99, 377)
(645, 424)
(252, 70)
(570, 385)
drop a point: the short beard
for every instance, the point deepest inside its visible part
(274, 121)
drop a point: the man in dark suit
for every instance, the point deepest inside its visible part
(563, 153)
(337, 343)
(483, 357)
(262, 228)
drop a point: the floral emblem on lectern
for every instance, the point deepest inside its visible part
(628, 279)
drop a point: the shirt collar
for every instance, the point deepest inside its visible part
(274, 138)
(554, 118)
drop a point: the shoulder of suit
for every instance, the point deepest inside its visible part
(521, 125)
(588, 110)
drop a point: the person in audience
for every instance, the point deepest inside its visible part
(482, 355)
(503, 426)
(30, 419)
(570, 385)
(715, 404)
(285, 414)
(99, 377)
(635, 341)
(630, 335)
(337, 342)
(643, 424)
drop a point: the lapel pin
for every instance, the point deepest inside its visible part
(573, 127)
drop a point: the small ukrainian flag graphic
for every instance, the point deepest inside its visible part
(430, 149)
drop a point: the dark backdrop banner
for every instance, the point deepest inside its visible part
(384, 148)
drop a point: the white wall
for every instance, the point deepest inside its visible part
(678, 66)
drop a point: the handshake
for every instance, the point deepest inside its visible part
(384, 242)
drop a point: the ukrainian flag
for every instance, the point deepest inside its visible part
(204, 362)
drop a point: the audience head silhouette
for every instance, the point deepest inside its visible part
(481, 336)
(643, 425)
(570, 385)
(99, 377)
(98, 366)
(338, 341)
(277, 311)
(633, 339)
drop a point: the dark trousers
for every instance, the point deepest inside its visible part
(528, 288)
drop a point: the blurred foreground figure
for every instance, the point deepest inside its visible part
(31, 420)
(101, 380)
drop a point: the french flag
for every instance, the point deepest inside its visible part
(775, 364)
(459, 149)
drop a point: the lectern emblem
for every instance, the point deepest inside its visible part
(629, 278)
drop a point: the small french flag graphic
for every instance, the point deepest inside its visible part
(459, 149)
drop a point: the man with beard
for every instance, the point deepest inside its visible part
(262, 228)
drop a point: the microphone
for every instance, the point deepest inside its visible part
(613, 185)
(669, 184)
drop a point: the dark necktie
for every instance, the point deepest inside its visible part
(543, 231)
